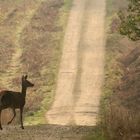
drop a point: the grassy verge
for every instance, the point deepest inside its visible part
(50, 69)
(113, 70)
(117, 119)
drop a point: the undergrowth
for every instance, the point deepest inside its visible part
(118, 120)
(48, 70)
(40, 42)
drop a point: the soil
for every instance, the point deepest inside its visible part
(45, 132)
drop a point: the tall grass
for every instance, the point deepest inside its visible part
(43, 55)
(41, 45)
(117, 120)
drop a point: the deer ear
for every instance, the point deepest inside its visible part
(26, 76)
(22, 76)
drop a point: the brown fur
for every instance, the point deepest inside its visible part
(14, 100)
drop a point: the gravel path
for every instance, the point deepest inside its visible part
(45, 132)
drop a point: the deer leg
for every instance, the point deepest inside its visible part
(21, 119)
(14, 112)
(0, 121)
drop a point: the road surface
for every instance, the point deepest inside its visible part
(81, 70)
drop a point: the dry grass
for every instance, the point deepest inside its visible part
(121, 123)
(120, 118)
(38, 34)
(42, 50)
(120, 104)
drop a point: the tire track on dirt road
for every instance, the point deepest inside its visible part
(92, 64)
(82, 66)
(61, 111)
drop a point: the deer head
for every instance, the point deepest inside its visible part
(25, 82)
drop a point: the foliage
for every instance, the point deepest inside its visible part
(130, 20)
(119, 116)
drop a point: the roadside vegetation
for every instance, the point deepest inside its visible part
(119, 111)
(120, 118)
(31, 35)
(130, 20)
(45, 33)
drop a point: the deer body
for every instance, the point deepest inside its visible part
(14, 100)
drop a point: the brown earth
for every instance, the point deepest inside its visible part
(45, 132)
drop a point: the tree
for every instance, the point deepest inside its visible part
(130, 20)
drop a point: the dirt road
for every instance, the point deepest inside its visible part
(82, 64)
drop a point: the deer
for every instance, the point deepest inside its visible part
(15, 100)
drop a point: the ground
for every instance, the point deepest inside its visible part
(79, 82)
(45, 132)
